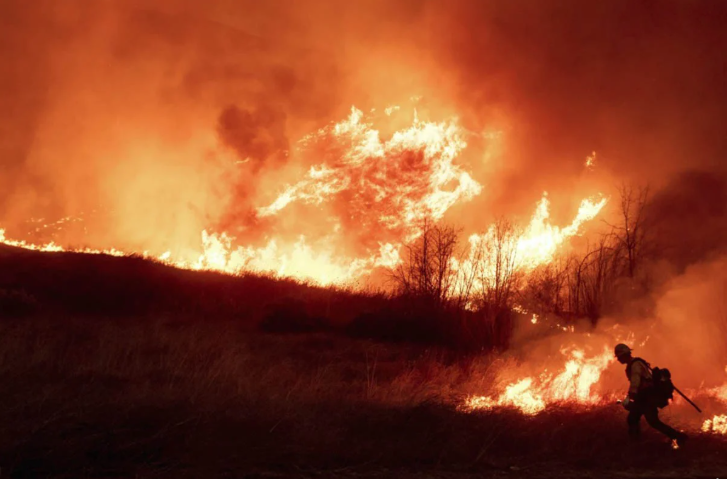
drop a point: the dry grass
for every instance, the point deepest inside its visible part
(195, 391)
(121, 399)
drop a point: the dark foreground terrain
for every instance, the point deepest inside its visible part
(183, 387)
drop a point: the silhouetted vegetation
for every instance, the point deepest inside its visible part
(120, 367)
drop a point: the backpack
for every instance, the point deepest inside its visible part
(663, 386)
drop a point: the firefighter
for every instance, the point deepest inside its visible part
(642, 398)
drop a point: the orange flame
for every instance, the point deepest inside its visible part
(52, 247)
(537, 245)
(716, 425)
(392, 185)
(381, 173)
(572, 385)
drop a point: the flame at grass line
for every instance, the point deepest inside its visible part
(219, 255)
(391, 185)
(303, 261)
(716, 425)
(54, 248)
(299, 260)
(575, 383)
(531, 395)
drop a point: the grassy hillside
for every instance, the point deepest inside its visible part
(132, 287)
(118, 367)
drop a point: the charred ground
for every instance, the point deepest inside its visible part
(120, 367)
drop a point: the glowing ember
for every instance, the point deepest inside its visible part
(590, 160)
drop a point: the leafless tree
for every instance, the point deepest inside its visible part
(631, 232)
(467, 275)
(498, 270)
(592, 277)
(427, 271)
(546, 287)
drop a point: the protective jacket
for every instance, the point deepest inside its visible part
(639, 374)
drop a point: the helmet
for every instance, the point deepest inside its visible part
(621, 349)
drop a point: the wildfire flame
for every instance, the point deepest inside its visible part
(396, 182)
(390, 186)
(540, 241)
(577, 383)
(716, 425)
(537, 244)
(54, 248)
(532, 395)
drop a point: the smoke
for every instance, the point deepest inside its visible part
(256, 135)
(688, 218)
(690, 330)
(685, 333)
(156, 122)
(632, 81)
